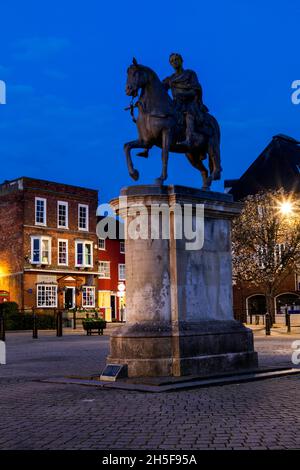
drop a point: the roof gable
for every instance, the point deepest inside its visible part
(277, 166)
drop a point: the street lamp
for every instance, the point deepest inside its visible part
(121, 295)
(286, 208)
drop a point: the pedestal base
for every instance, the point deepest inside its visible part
(178, 349)
(179, 285)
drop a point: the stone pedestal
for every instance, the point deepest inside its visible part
(179, 300)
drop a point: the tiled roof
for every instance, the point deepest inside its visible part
(277, 166)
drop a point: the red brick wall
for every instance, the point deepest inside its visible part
(17, 224)
(53, 193)
(11, 244)
(11, 222)
(30, 281)
(241, 291)
(112, 254)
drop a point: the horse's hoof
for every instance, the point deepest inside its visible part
(135, 175)
(207, 184)
(159, 181)
(216, 175)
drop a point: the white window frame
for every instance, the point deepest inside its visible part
(41, 238)
(104, 242)
(84, 243)
(121, 278)
(54, 305)
(99, 272)
(92, 289)
(63, 240)
(44, 223)
(66, 205)
(86, 229)
(122, 243)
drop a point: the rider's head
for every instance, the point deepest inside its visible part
(176, 60)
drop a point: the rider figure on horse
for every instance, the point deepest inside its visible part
(187, 95)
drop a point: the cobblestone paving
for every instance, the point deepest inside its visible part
(35, 415)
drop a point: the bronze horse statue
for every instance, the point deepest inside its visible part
(159, 124)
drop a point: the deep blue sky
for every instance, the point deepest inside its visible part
(65, 64)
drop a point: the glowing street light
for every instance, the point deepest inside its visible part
(121, 289)
(286, 208)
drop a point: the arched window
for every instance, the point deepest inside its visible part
(289, 299)
(256, 304)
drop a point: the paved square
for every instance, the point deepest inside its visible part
(35, 415)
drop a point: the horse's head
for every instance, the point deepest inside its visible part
(137, 78)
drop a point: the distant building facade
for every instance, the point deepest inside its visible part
(48, 244)
(278, 166)
(112, 277)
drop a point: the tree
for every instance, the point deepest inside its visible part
(266, 241)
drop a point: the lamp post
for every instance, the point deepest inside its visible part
(121, 295)
(34, 324)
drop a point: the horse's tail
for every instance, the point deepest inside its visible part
(214, 125)
(214, 146)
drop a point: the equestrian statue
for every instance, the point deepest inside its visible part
(181, 124)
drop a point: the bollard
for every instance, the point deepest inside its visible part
(268, 324)
(250, 318)
(2, 337)
(59, 328)
(74, 320)
(288, 322)
(35, 326)
(256, 319)
(2, 324)
(286, 315)
(2, 353)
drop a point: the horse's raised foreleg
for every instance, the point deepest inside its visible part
(166, 141)
(134, 144)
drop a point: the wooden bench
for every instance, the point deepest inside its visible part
(91, 330)
(93, 327)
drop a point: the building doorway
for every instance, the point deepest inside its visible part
(69, 298)
(113, 308)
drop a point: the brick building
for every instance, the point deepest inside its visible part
(278, 166)
(48, 244)
(112, 277)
